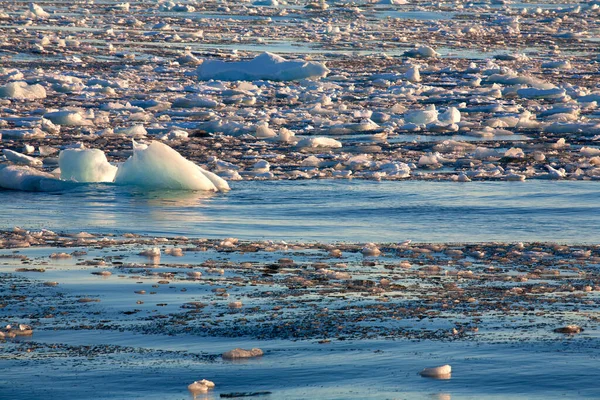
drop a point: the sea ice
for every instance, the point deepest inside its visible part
(267, 66)
(20, 177)
(67, 118)
(22, 91)
(158, 166)
(314, 142)
(19, 158)
(85, 165)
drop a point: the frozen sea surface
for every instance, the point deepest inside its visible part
(326, 210)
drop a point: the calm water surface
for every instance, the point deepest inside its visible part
(325, 210)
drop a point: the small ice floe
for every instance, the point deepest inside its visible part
(317, 142)
(241, 353)
(174, 251)
(422, 52)
(153, 252)
(267, 66)
(22, 91)
(194, 274)
(370, 250)
(25, 178)
(12, 331)
(67, 118)
(22, 159)
(36, 11)
(199, 387)
(85, 165)
(158, 166)
(569, 329)
(441, 372)
(60, 255)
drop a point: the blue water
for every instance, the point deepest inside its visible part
(325, 210)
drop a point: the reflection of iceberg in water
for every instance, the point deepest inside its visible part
(168, 208)
(170, 198)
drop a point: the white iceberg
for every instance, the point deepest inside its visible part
(267, 66)
(85, 165)
(158, 166)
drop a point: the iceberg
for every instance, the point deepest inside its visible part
(158, 166)
(85, 165)
(267, 66)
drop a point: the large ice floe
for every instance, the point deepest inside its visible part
(266, 66)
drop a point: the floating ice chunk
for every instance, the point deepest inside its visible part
(192, 101)
(556, 173)
(430, 159)
(19, 158)
(422, 117)
(514, 79)
(241, 353)
(396, 169)
(34, 133)
(199, 387)
(450, 116)
(370, 250)
(589, 151)
(67, 118)
(261, 166)
(557, 64)
(263, 131)
(413, 74)
(286, 136)
(36, 11)
(85, 165)
(484, 153)
(22, 91)
(314, 142)
(19, 177)
(443, 371)
(423, 52)
(514, 152)
(533, 93)
(267, 66)
(158, 166)
(134, 131)
(266, 3)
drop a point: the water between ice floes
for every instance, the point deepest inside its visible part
(325, 210)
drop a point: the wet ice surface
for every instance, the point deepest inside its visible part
(325, 210)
